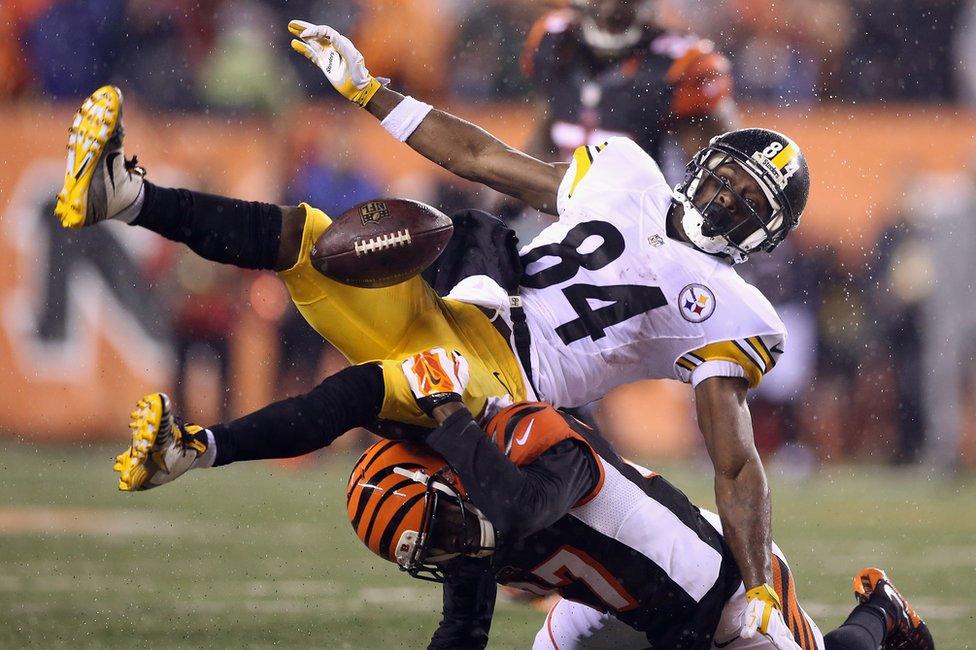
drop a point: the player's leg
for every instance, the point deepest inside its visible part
(163, 448)
(386, 325)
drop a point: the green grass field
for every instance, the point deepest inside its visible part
(261, 555)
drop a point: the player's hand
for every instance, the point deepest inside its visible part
(338, 58)
(436, 377)
(764, 616)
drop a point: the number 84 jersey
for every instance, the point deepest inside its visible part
(610, 298)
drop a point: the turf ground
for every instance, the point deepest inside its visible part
(261, 555)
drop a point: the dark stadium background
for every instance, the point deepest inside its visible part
(867, 424)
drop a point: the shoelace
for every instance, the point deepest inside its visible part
(133, 167)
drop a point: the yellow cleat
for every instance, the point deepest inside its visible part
(162, 448)
(99, 183)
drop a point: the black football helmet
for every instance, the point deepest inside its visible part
(775, 162)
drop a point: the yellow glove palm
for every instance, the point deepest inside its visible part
(337, 57)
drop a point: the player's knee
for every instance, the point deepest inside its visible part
(290, 243)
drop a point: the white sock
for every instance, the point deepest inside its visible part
(129, 214)
(207, 458)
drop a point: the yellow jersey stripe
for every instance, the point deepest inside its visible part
(730, 351)
(583, 160)
(785, 156)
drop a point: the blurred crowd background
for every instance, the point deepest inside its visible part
(223, 54)
(880, 339)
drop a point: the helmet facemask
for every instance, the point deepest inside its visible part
(415, 552)
(712, 227)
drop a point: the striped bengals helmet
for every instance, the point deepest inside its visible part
(392, 502)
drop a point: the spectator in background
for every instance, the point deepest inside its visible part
(606, 68)
(964, 54)
(204, 304)
(73, 45)
(15, 15)
(410, 41)
(486, 55)
(841, 339)
(949, 320)
(902, 270)
(789, 280)
(247, 71)
(782, 49)
(903, 49)
(157, 65)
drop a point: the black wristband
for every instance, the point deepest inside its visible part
(429, 403)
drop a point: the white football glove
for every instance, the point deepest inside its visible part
(436, 377)
(338, 58)
(764, 616)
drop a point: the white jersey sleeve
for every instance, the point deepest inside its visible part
(745, 339)
(618, 165)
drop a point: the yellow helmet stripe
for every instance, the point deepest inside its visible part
(784, 157)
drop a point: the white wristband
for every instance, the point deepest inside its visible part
(405, 118)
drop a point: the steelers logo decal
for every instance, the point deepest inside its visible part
(696, 302)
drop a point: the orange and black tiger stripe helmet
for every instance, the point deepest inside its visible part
(383, 503)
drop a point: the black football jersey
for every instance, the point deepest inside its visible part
(638, 95)
(635, 547)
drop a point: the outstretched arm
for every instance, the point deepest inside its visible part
(455, 144)
(472, 153)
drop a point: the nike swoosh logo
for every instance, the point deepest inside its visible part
(525, 436)
(111, 168)
(84, 164)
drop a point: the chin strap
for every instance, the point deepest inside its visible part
(487, 546)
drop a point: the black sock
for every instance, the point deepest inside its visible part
(864, 629)
(229, 231)
(350, 398)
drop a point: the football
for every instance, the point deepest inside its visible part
(381, 243)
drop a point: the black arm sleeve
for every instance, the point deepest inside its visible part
(517, 500)
(298, 425)
(469, 603)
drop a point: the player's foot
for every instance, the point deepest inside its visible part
(99, 183)
(905, 628)
(162, 448)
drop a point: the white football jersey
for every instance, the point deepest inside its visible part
(610, 299)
